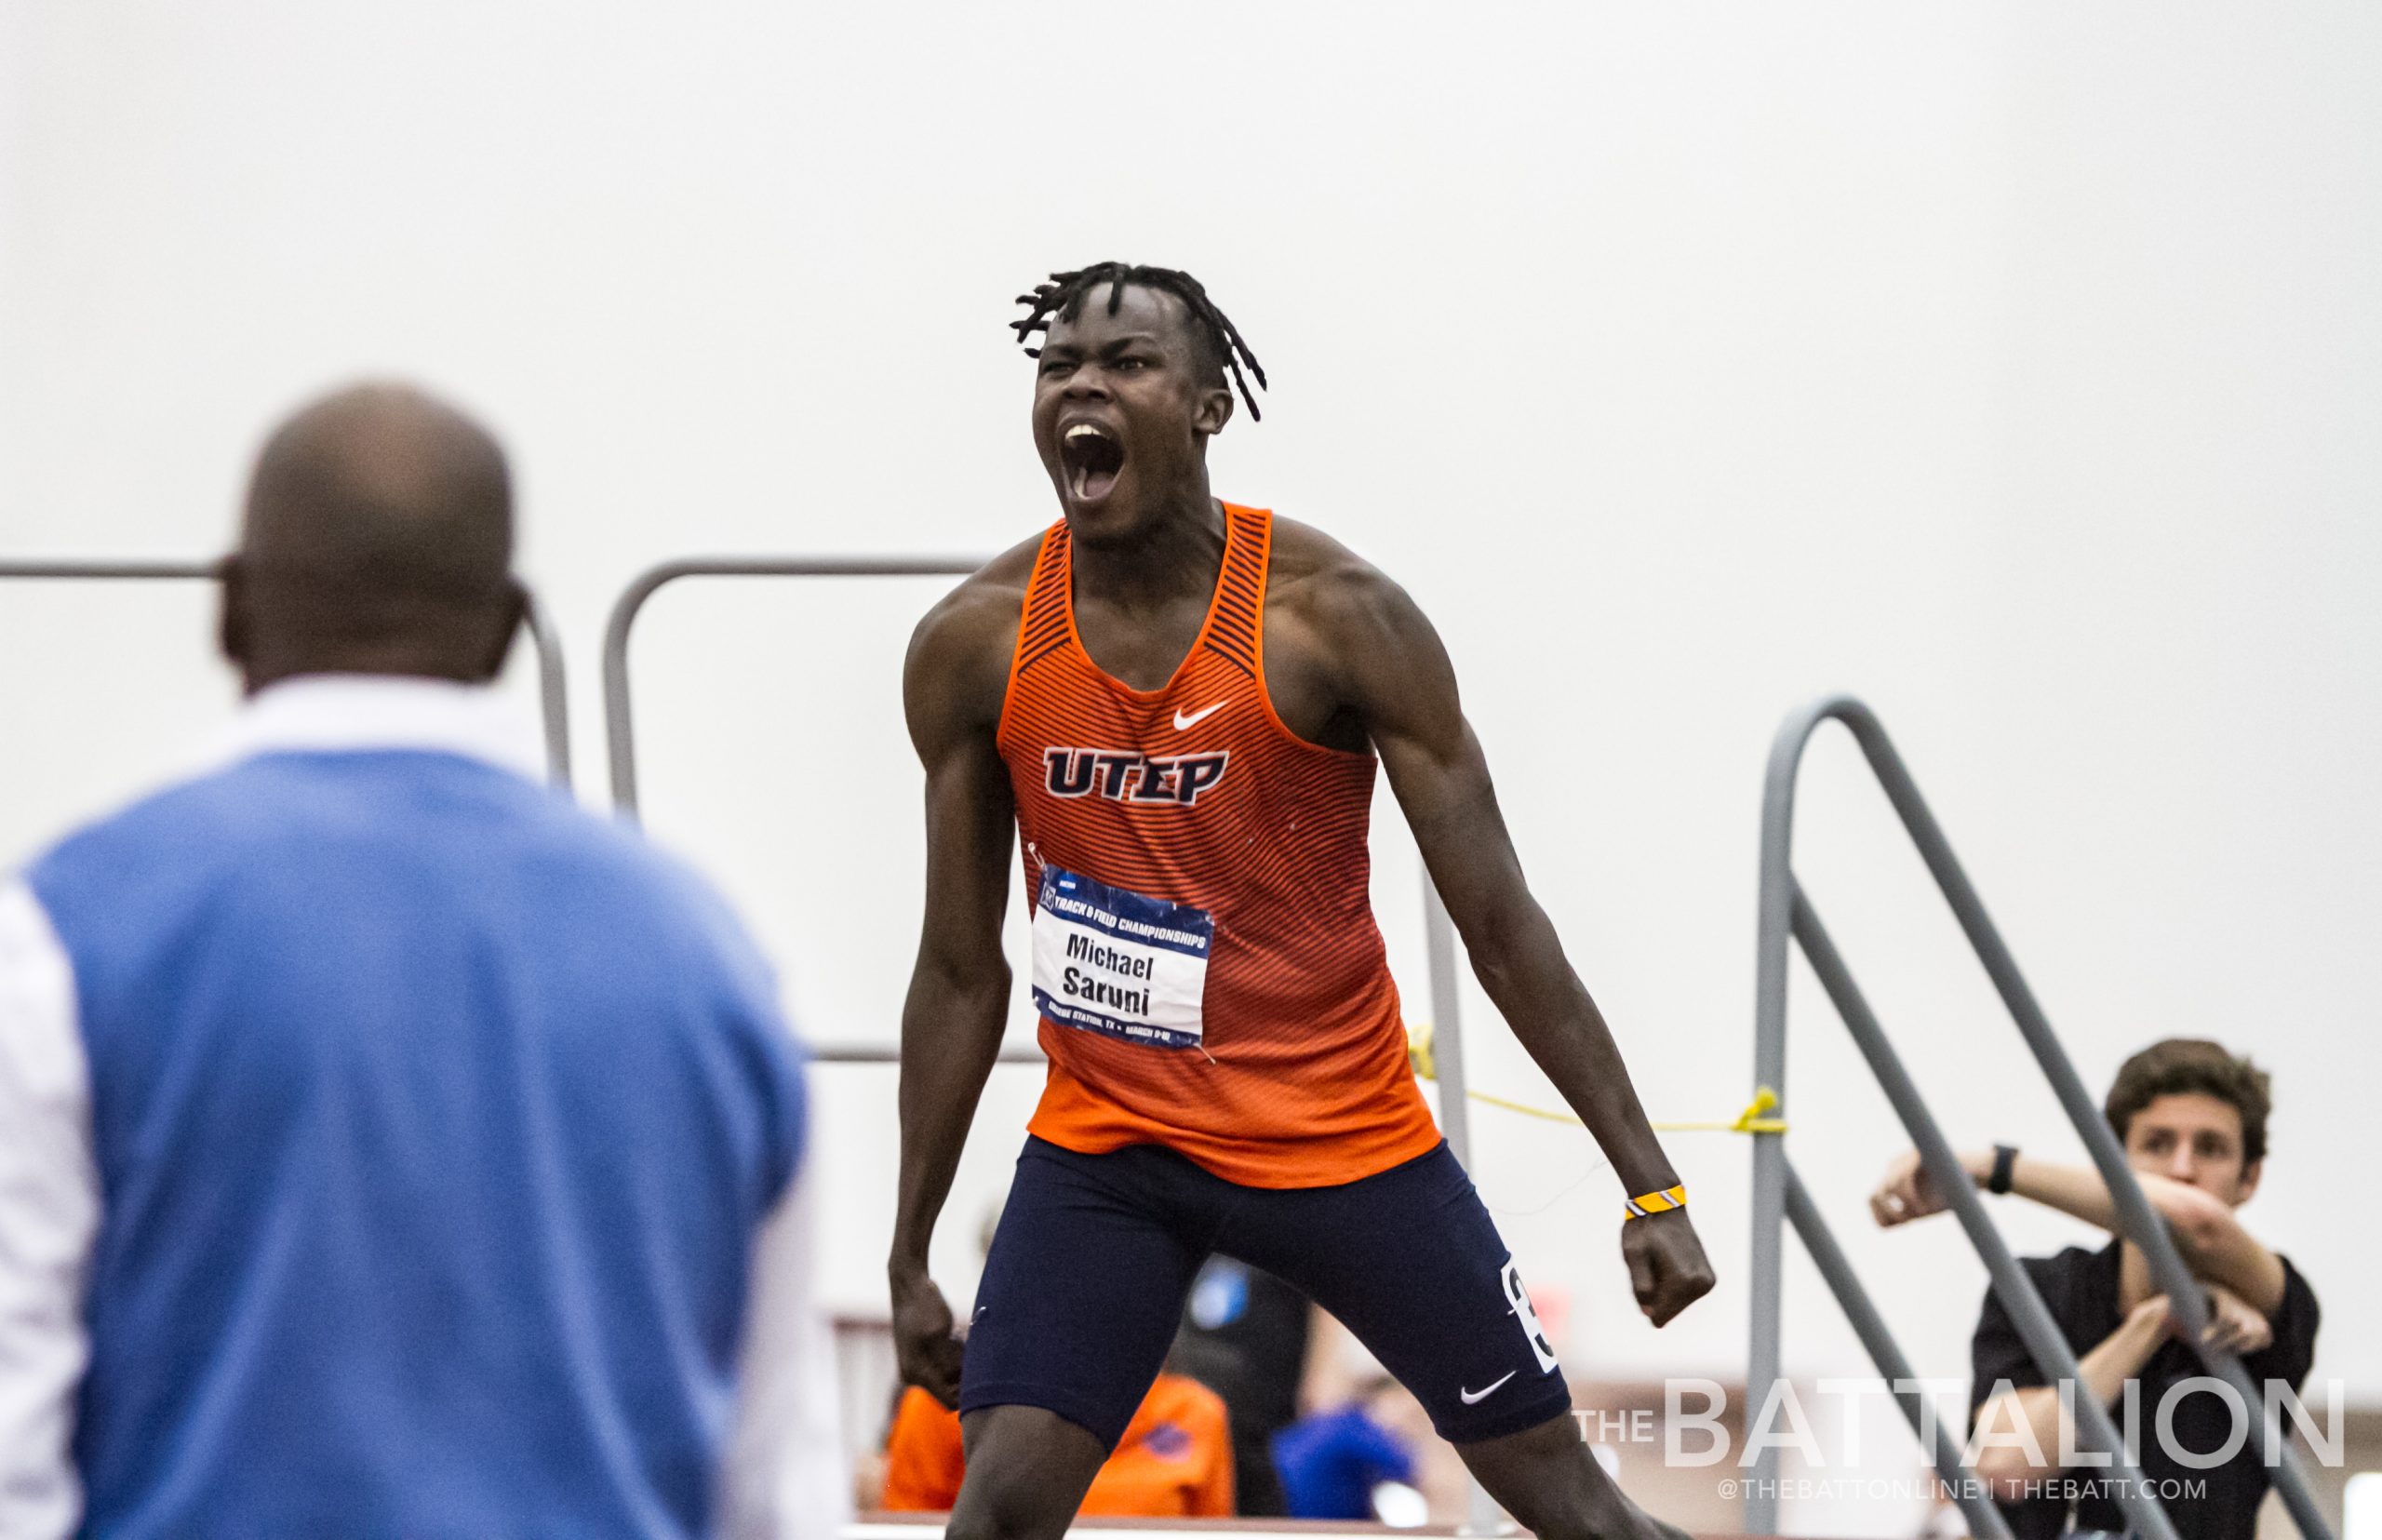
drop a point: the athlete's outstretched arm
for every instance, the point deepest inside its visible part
(1396, 678)
(958, 999)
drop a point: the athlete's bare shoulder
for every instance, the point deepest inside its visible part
(988, 598)
(958, 668)
(1330, 596)
(1340, 634)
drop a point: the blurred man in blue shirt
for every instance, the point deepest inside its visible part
(393, 1148)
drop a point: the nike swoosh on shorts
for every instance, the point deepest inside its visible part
(1474, 1397)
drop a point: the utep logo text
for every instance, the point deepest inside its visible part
(1132, 777)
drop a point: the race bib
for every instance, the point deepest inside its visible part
(1119, 962)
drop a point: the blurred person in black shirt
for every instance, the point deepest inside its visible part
(1272, 1355)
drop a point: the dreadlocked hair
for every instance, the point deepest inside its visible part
(1062, 300)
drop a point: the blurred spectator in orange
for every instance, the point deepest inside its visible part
(1175, 1461)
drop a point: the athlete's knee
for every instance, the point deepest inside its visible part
(1027, 1470)
(1559, 1507)
(1613, 1519)
(1009, 1502)
(1552, 1485)
(994, 1519)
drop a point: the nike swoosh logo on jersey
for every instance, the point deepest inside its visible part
(1474, 1397)
(1180, 721)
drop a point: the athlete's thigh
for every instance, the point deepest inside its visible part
(1084, 1284)
(1410, 1261)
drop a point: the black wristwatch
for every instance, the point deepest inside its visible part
(2005, 1161)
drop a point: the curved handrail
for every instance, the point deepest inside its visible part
(620, 733)
(553, 700)
(1785, 914)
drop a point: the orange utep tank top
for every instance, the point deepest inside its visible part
(1206, 962)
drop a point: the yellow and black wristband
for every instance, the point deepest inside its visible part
(1657, 1202)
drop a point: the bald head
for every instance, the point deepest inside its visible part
(378, 539)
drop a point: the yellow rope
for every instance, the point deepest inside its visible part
(1755, 1118)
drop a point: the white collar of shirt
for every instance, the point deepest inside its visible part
(357, 713)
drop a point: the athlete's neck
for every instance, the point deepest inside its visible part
(1179, 553)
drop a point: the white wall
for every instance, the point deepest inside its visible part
(2016, 366)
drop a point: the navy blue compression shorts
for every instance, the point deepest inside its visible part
(1094, 1254)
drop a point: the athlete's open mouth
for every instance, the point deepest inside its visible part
(1092, 456)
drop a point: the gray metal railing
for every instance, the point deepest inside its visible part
(620, 731)
(1787, 916)
(553, 700)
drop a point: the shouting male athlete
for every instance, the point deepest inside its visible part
(1177, 703)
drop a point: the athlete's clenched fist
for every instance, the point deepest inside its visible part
(1667, 1266)
(924, 1344)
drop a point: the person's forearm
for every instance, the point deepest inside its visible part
(2080, 1191)
(2076, 1190)
(2102, 1376)
(1523, 971)
(2210, 1241)
(2120, 1354)
(951, 1035)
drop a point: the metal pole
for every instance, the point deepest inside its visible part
(553, 696)
(1482, 1516)
(2044, 1341)
(1985, 1520)
(2137, 1220)
(1766, 1262)
(1447, 1023)
(620, 733)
